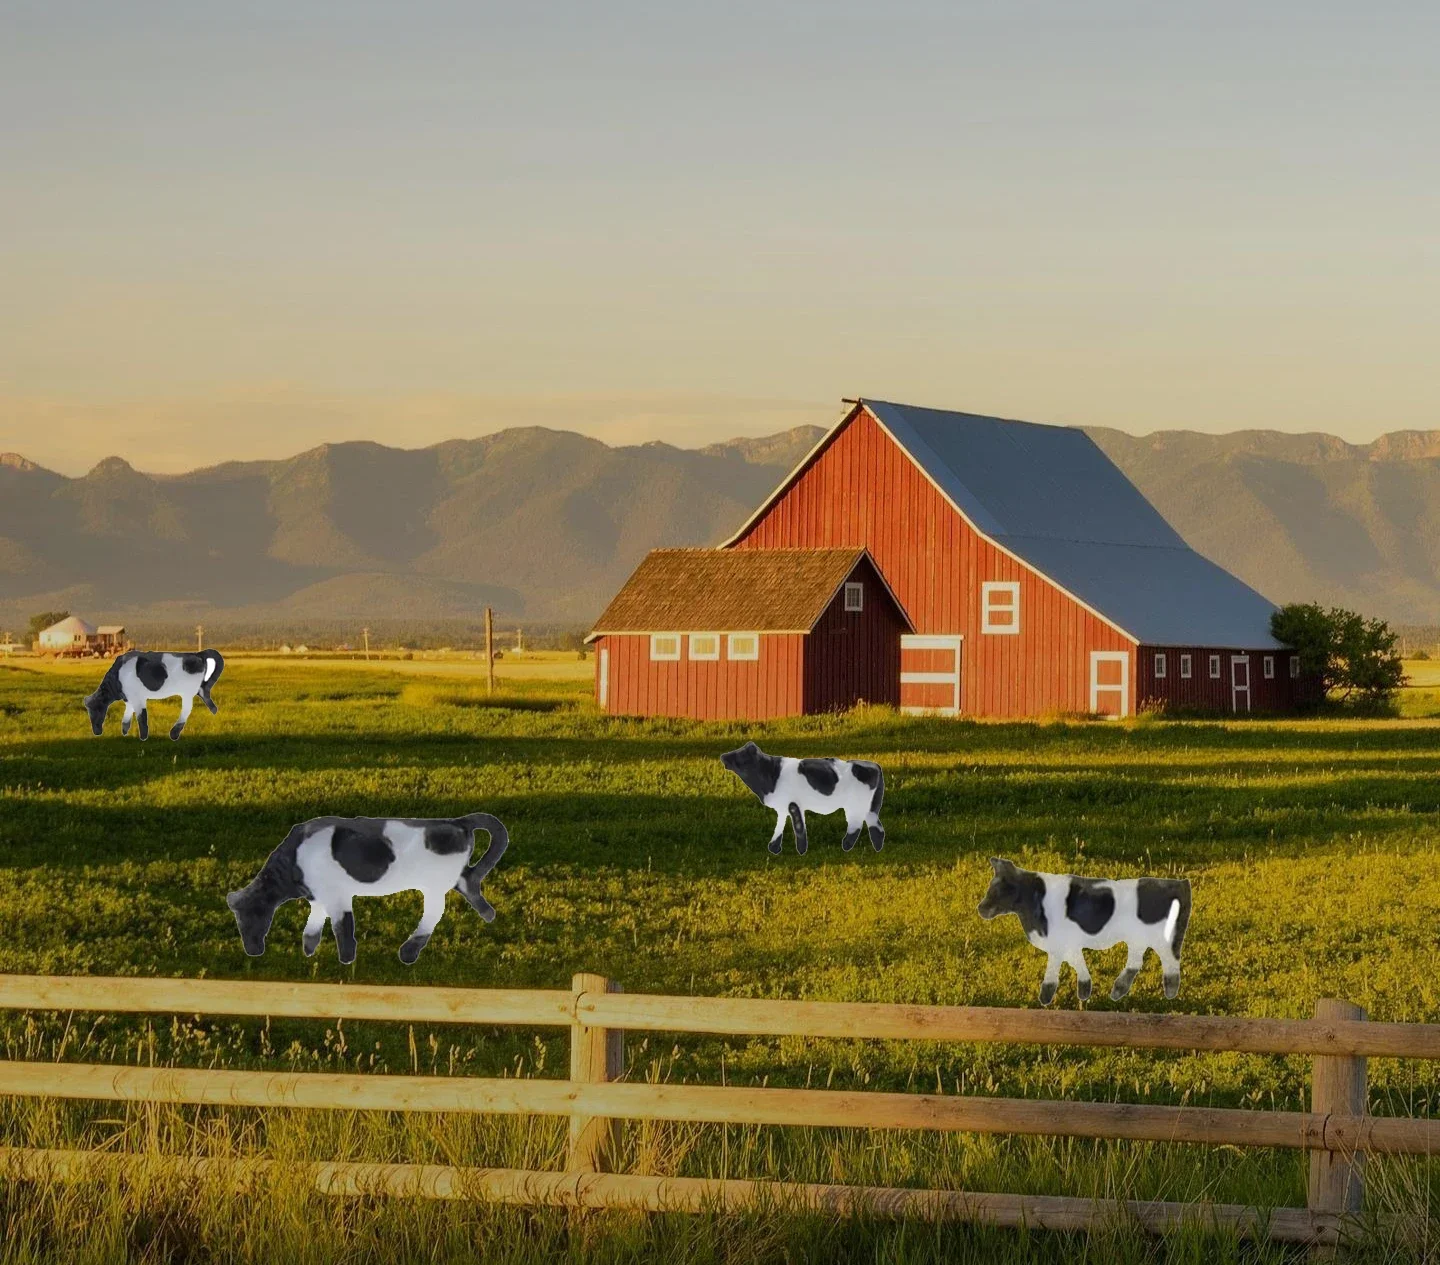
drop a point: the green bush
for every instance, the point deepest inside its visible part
(1353, 656)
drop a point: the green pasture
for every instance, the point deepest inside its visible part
(1312, 846)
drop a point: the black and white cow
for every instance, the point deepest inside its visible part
(795, 787)
(137, 676)
(331, 860)
(1063, 915)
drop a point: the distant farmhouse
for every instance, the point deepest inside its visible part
(73, 637)
(976, 567)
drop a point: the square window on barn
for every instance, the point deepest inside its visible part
(742, 646)
(854, 596)
(704, 645)
(665, 645)
(1294, 665)
(1214, 667)
(1159, 667)
(1269, 667)
(1185, 666)
(1000, 606)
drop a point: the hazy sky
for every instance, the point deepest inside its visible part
(244, 228)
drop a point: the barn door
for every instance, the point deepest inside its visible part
(1239, 682)
(1110, 682)
(930, 674)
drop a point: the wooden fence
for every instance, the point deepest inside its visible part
(1337, 1131)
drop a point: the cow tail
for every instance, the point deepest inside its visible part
(878, 797)
(499, 841)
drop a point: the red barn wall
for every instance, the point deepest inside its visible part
(716, 689)
(1201, 692)
(855, 655)
(862, 490)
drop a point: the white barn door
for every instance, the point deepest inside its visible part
(930, 674)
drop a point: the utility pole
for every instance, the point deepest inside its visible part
(199, 638)
(490, 649)
(365, 632)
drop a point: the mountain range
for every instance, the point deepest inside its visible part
(545, 524)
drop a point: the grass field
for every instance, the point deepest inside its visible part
(1311, 844)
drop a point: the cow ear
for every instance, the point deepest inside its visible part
(233, 900)
(999, 865)
(750, 746)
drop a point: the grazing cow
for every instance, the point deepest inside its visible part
(796, 787)
(331, 860)
(137, 676)
(1063, 915)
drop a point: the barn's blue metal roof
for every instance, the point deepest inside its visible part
(1052, 498)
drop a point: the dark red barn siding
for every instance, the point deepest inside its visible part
(854, 656)
(723, 689)
(861, 489)
(1202, 692)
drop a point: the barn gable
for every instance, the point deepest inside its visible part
(1050, 498)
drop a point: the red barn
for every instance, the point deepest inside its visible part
(1036, 576)
(749, 634)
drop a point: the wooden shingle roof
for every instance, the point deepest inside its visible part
(730, 590)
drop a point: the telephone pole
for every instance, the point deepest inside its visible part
(365, 632)
(199, 637)
(490, 650)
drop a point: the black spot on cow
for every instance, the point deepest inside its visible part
(364, 855)
(821, 775)
(866, 772)
(1154, 896)
(444, 838)
(150, 668)
(1089, 904)
(759, 772)
(193, 664)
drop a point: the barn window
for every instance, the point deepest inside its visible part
(704, 645)
(1294, 665)
(1000, 606)
(1214, 667)
(1269, 667)
(1160, 667)
(1185, 666)
(854, 596)
(743, 646)
(664, 645)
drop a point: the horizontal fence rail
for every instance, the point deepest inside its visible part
(1337, 1132)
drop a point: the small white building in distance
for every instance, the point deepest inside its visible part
(71, 635)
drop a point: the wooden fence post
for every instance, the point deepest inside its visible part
(596, 1055)
(1337, 1087)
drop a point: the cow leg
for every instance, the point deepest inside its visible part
(797, 822)
(470, 890)
(1051, 984)
(852, 833)
(142, 718)
(1134, 961)
(179, 726)
(775, 845)
(209, 702)
(1170, 965)
(420, 937)
(314, 929)
(877, 834)
(1082, 974)
(344, 929)
(125, 718)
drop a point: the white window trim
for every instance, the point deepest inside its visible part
(703, 658)
(1269, 667)
(989, 608)
(1185, 666)
(1160, 666)
(1294, 666)
(1097, 657)
(1214, 667)
(854, 589)
(741, 658)
(664, 658)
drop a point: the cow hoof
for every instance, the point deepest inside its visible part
(1047, 993)
(309, 944)
(1172, 986)
(774, 847)
(175, 732)
(410, 950)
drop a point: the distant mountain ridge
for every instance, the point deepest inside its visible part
(545, 524)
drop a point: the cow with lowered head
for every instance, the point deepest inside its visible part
(137, 676)
(1062, 915)
(792, 788)
(331, 860)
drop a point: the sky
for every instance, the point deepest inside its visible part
(241, 230)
